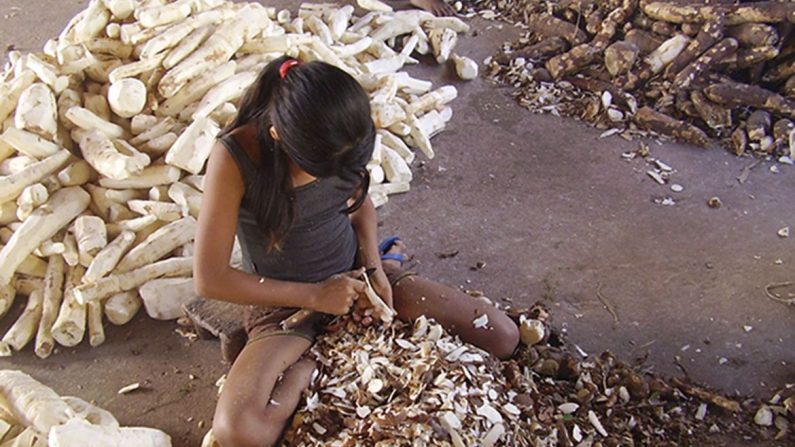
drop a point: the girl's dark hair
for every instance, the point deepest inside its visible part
(322, 117)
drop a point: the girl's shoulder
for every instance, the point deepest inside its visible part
(245, 137)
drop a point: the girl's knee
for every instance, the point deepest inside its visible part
(225, 431)
(505, 337)
(236, 431)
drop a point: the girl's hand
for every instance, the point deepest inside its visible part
(338, 293)
(382, 287)
(365, 312)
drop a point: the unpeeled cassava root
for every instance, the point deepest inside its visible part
(695, 71)
(106, 134)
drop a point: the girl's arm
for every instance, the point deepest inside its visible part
(365, 223)
(214, 278)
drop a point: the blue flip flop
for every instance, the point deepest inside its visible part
(384, 247)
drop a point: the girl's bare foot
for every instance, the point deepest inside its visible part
(391, 265)
(437, 7)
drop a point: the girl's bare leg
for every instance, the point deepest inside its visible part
(262, 391)
(453, 309)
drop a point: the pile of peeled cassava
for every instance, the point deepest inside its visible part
(106, 133)
(33, 415)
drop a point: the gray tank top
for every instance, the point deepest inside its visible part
(321, 241)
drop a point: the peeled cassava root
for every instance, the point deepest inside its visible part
(51, 420)
(106, 134)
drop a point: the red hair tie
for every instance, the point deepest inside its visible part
(287, 65)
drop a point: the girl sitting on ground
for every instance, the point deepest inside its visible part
(289, 177)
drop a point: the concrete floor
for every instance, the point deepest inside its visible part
(555, 214)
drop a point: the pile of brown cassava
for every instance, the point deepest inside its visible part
(33, 415)
(701, 72)
(417, 385)
(106, 132)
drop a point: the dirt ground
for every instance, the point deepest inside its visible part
(555, 215)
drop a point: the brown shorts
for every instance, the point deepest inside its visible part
(263, 322)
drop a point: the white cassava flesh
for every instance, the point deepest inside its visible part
(29, 143)
(121, 9)
(63, 206)
(158, 244)
(32, 404)
(24, 328)
(91, 237)
(37, 111)
(32, 266)
(16, 165)
(421, 139)
(466, 68)
(48, 248)
(395, 168)
(12, 91)
(107, 258)
(228, 90)
(432, 123)
(140, 123)
(7, 295)
(96, 331)
(186, 46)
(64, 421)
(158, 129)
(187, 197)
(88, 120)
(135, 68)
(443, 40)
(127, 281)
(666, 52)
(149, 177)
(47, 73)
(90, 413)
(104, 156)
(374, 5)
(158, 14)
(70, 325)
(180, 31)
(133, 225)
(196, 89)
(127, 97)
(386, 313)
(164, 211)
(122, 307)
(30, 198)
(164, 298)
(51, 303)
(217, 49)
(192, 148)
(79, 433)
(70, 254)
(13, 185)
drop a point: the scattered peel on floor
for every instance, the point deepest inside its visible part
(433, 389)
